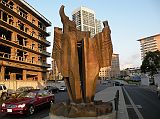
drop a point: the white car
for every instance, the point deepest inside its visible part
(62, 88)
(158, 92)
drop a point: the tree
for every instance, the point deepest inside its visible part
(151, 63)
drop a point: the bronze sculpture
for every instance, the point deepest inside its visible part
(80, 57)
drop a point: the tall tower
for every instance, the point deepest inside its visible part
(85, 19)
(115, 68)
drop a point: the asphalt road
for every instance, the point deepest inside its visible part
(43, 111)
(143, 104)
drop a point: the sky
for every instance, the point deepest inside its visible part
(129, 20)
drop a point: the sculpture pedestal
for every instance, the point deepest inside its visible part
(73, 110)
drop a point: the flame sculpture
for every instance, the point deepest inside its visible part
(80, 57)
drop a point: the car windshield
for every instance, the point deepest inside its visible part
(29, 95)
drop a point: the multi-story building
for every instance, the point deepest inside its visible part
(85, 20)
(131, 73)
(151, 43)
(98, 25)
(115, 68)
(22, 41)
(104, 73)
(113, 71)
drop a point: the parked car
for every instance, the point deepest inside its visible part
(27, 101)
(52, 89)
(3, 92)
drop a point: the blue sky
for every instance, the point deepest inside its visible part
(129, 21)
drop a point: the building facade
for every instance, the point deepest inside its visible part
(104, 73)
(151, 43)
(113, 71)
(98, 25)
(131, 73)
(115, 67)
(23, 42)
(85, 20)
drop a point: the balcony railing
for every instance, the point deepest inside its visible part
(44, 52)
(28, 32)
(22, 59)
(28, 47)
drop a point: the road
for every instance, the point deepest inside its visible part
(141, 102)
(43, 112)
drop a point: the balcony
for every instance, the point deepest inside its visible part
(25, 33)
(44, 40)
(45, 53)
(23, 60)
(46, 65)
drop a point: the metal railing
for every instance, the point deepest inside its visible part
(22, 59)
(116, 100)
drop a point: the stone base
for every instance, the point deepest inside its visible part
(73, 110)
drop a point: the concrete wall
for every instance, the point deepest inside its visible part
(14, 84)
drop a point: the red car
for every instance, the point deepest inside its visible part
(26, 102)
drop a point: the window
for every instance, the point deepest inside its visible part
(11, 4)
(32, 59)
(4, 16)
(23, 13)
(1, 88)
(26, 29)
(33, 20)
(32, 34)
(10, 19)
(20, 26)
(33, 46)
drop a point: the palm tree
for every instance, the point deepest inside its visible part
(151, 63)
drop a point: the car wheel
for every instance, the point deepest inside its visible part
(4, 97)
(31, 110)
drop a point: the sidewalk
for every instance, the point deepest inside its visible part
(106, 95)
(109, 94)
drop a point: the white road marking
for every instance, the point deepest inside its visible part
(130, 106)
(134, 106)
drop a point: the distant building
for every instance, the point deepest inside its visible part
(131, 73)
(23, 42)
(104, 73)
(98, 25)
(113, 71)
(85, 20)
(123, 73)
(115, 68)
(56, 75)
(151, 43)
